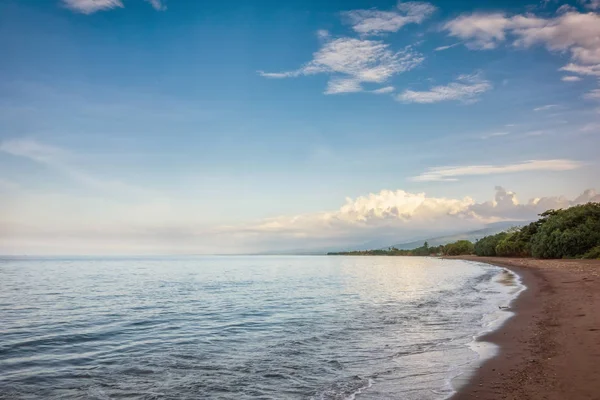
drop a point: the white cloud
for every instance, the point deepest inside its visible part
(343, 85)
(481, 31)
(442, 48)
(535, 133)
(157, 5)
(570, 78)
(572, 31)
(593, 94)
(376, 22)
(451, 173)
(494, 134)
(593, 70)
(354, 61)
(546, 107)
(92, 6)
(384, 90)
(466, 89)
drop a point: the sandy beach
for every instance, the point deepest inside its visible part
(550, 349)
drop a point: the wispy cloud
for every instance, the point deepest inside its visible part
(452, 173)
(352, 62)
(591, 127)
(92, 6)
(593, 70)
(593, 94)
(591, 4)
(384, 90)
(494, 134)
(570, 78)
(442, 48)
(535, 133)
(374, 22)
(546, 107)
(466, 89)
(64, 162)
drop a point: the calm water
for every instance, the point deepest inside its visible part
(241, 327)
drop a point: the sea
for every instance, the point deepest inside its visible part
(245, 327)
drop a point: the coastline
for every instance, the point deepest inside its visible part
(550, 348)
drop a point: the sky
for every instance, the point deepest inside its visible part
(197, 127)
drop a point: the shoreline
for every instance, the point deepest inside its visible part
(550, 347)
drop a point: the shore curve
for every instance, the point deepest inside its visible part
(550, 348)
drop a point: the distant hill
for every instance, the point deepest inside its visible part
(490, 229)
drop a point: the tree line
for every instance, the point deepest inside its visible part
(566, 233)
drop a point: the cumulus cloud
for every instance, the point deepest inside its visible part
(451, 173)
(51, 224)
(506, 206)
(572, 31)
(351, 62)
(92, 6)
(466, 89)
(374, 22)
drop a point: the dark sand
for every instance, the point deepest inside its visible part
(551, 348)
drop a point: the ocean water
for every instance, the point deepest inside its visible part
(243, 327)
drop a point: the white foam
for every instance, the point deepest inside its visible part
(486, 350)
(360, 390)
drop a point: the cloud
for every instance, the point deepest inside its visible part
(506, 206)
(384, 90)
(535, 133)
(494, 134)
(92, 6)
(374, 22)
(593, 94)
(451, 173)
(157, 5)
(572, 31)
(342, 85)
(442, 48)
(570, 78)
(593, 70)
(591, 4)
(58, 224)
(466, 89)
(480, 31)
(591, 127)
(64, 162)
(352, 62)
(546, 107)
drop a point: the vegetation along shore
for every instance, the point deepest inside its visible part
(566, 233)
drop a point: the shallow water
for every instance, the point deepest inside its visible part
(242, 327)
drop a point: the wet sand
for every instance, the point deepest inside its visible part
(550, 349)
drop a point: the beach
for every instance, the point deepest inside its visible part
(550, 348)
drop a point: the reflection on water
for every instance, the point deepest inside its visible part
(241, 327)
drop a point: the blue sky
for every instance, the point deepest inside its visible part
(133, 126)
